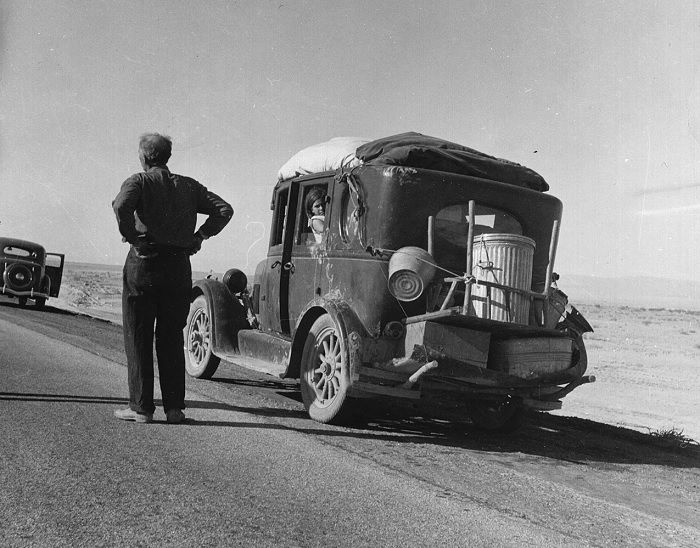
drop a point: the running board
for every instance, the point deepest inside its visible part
(261, 352)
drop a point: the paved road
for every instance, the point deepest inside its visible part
(252, 470)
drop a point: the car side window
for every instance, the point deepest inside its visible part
(280, 210)
(452, 227)
(312, 223)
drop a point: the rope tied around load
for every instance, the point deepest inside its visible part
(487, 265)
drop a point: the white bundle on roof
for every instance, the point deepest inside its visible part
(329, 156)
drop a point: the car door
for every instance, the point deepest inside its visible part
(54, 271)
(308, 249)
(274, 314)
(295, 257)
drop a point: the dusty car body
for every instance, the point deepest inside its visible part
(432, 287)
(29, 272)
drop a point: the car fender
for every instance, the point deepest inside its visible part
(227, 314)
(351, 330)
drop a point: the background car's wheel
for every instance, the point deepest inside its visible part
(200, 362)
(496, 416)
(18, 277)
(22, 301)
(325, 375)
(40, 302)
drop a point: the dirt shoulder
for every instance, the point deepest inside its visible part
(646, 364)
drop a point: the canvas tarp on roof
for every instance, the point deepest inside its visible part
(421, 151)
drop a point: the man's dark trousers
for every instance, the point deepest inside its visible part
(156, 291)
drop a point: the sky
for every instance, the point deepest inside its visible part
(601, 98)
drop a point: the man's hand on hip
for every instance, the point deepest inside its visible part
(196, 244)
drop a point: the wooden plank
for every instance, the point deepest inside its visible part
(552, 255)
(531, 357)
(431, 234)
(466, 345)
(433, 315)
(451, 292)
(470, 259)
(451, 316)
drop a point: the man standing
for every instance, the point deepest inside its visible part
(157, 214)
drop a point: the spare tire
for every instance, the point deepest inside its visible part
(18, 276)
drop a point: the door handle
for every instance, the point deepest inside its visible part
(275, 264)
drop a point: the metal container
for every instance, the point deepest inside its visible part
(411, 269)
(504, 259)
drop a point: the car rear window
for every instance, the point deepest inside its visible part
(452, 228)
(20, 252)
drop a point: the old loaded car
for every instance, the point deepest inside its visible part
(432, 282)
(29, 272)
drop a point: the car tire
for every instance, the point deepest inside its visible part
(200, 361)
(497, 416)
(22, 301)
(40, 302)
(324, 373)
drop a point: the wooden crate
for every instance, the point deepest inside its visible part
(531, 357)
(464, 345)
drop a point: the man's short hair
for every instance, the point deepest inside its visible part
(156, 148)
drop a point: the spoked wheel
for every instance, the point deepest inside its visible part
(496, 416)
(325, 376)
(201, 363)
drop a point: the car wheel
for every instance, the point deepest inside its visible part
(496, 416)
(22, 301)
(325, 376)
(200, 362)
(40, 302)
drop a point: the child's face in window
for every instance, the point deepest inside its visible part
(319, 207)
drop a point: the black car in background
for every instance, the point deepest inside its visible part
(29, 272)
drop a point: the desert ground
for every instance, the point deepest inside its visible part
(646, 359)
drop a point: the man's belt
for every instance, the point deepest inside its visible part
(152, 251)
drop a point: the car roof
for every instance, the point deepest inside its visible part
(16, 242)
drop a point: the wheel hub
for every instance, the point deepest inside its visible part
(327, 369)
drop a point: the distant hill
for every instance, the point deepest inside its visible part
(94, 267)
(638, 291)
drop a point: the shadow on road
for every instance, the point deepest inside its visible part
(190, 404)
(557, 437)
(286, 388)
(561, 438)
(566, 439)
(47, 309)
(61, 398)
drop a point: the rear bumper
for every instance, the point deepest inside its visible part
(538, 372)
(31, 293)
(544, 395)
